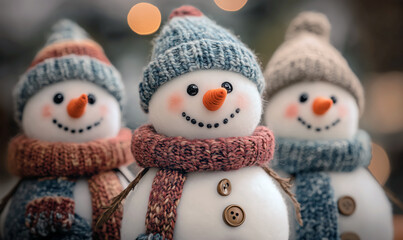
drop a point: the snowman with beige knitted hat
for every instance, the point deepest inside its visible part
(314, 103)
(203, 153)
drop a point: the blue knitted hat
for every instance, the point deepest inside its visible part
(69, 54)
(190, 42)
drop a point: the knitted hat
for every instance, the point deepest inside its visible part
(189, 42)
(307, 56)
(68, 54)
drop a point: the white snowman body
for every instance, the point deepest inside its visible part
(101, 119)
(290, 111)
(201, 207)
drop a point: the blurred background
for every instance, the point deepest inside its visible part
(369, 33)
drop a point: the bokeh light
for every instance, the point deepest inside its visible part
(144, 18)
(380, 164)
(230, 5)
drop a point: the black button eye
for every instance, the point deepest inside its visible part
(227, 86)
(303, 97)
(58, 98)
(91, 98)
(334, 99)
(192, 89)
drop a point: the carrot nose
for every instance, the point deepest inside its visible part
(213, 99)
(76, 106)
(321, 105)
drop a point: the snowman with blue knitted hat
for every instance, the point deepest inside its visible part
(203, 152)
(314, 103)
(68, 104)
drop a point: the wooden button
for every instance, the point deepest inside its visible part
(224, 187)
(346, 205)
(349, 236)
(234, 215)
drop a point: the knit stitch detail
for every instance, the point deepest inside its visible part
(175, 156)
(150, 237)
(310, 161)
(297, 156)
(85, 48)
(103, 188)
(49, 214)
(33, 158)
(151, 149)
(71, 67)
(191, 43)
(163, 202)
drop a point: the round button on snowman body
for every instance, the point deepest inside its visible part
(202, 91)
(203, 211)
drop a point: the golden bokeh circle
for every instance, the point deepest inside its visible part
(144, 18)
(230, 5)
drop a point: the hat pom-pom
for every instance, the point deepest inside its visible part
(309, 22)
(184, 11)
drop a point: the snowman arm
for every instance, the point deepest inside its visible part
(285, 184)
(116, 201)
(52, 207)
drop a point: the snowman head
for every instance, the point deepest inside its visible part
(313, 110)
(206, 104)
(311, 91)
(71, 111)
(71, 92)
(202, 81)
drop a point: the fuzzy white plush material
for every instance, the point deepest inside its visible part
(372, 218)
(41, 111)
(284, 108)
(171, 100)
(200, 212)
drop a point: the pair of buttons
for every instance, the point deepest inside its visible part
(346, 206)
(233, 215)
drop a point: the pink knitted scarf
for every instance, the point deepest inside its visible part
(33, 158)
(175, 156)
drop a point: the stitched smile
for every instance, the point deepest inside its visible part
(209, 125)
(73, 130)
(318, 129)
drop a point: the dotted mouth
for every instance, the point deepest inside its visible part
(210, 125)
(79, 130)
(318, 129)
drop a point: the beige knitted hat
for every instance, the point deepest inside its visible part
(306, 55)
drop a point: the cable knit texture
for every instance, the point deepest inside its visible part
(191, 42)
(307, 56)
(310, 161)
(175, 156)
(69, 54)
(33, 158)
(43, 204)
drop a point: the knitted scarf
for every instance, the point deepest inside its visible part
(309, 161)
(176, 156)
(49, 171)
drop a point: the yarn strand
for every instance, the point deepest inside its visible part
(285, 184)
(116, 201)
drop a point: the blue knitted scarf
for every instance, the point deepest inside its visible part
(309, 161)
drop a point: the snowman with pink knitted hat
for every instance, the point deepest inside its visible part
(204, 157)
